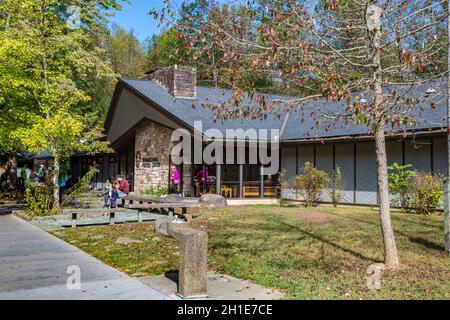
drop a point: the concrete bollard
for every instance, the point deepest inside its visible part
(192, 278)
(161, 227)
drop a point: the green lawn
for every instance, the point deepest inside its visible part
(319, 253)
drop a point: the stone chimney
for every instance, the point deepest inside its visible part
(180, 81)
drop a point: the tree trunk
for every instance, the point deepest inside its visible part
(390, 248)
(55, 180)
(447, 183)
(373, 18)
(11, 174)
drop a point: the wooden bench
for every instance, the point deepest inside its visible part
(270, 191)
(251, 191)
(164, 205)
(93, 213)
(132, 199)
(254, 191)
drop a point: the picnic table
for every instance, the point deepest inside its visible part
(149, 202)
(170, 206)
(92, 213)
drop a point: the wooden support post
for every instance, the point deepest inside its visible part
(139, 215)
(74, 220)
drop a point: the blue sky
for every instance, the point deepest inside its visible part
(135, 16)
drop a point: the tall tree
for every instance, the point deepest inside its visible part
(43, 58)
(374, 54)
(162, 49)
(125, 52)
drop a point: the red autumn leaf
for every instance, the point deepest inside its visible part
(407, 57)
(420, 68)
(331, 5)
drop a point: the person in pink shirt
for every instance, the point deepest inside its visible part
(202, 175)
(176, 180)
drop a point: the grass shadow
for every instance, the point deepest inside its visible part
(281, 227)
(426, 243)
(331, 243)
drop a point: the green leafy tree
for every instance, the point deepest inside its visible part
(399, 177)
(43, 60)
(62, 133)
(162, 49)
(125, 52)
(337, 186)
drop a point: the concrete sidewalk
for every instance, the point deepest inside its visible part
(33, 265)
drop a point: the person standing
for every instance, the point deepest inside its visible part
(176, 180)
(202, 175)
(41, 172)
(63, 186)
(202, 178)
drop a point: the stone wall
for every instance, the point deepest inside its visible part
(152, 156)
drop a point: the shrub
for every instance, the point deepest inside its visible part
(310, 183)
(282, 184)
(156, 191)
(38, 199)
(337, 187)
(39, 196)
(83, 185)
(424, 192)
(399, 177)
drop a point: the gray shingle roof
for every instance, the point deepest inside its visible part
(300, 124)
(190, 110)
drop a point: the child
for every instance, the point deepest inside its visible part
(113, 196)
(107, 191)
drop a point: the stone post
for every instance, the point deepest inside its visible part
(192, 278)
